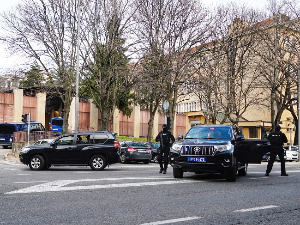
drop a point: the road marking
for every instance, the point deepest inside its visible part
(31, 182)
(57, 186)
(173, 220)
(257, 208)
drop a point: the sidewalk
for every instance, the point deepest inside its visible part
(7, 155)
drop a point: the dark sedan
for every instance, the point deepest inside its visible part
(154, 146)
(134, 151)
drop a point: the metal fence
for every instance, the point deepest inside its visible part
(22, 136)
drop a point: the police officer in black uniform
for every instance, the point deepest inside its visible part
(166, 139)
(277, 139)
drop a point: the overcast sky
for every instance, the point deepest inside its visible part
(7, 61)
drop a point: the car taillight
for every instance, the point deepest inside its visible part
(116, 144)
(149, 150)
(131, 150)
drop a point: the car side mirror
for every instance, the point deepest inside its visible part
(180, 137)
(240, 137)
(53, 145)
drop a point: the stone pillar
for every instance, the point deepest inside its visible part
(174, 127)
(93, 116)
(155, 125)
(116, 121)
(18, 105)
(40, 108)
(71, 120)
(136, 121)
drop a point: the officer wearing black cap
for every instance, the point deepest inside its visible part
(166, 139)
(277, 139)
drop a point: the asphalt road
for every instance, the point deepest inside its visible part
(137, 194)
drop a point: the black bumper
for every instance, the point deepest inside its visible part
(212, 165)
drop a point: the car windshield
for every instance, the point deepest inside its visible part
(7, 129)
(57, 122)
(209, 133)
(155, 145)
(293, 148)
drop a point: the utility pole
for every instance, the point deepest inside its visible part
(298, 102)
(28, 129)
(77, 70)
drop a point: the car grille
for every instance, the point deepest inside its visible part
(197, 150)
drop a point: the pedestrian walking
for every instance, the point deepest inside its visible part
(166, 139)
(277, 139)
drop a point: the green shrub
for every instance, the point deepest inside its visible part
(125, 138)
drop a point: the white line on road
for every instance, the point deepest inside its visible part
(172, 221)
(257, 208)
(57, 186)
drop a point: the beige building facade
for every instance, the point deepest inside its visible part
(255, 121)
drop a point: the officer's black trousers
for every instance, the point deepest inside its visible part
(273, 154)
(163, 158)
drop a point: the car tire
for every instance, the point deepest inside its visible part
(155, 159)
(243, 171)
(98, 162)
(37, 162)
(146, 161)
(123, 158)
(177, 173)
(231, 174)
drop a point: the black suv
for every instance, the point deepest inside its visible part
(95, 149)
(216, 149)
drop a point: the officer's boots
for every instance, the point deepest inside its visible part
(161, 169)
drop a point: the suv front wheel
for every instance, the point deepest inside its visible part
(37, 162)
(177, 173)
(98, 162)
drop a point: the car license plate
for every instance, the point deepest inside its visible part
(2, 139)
(196, 159)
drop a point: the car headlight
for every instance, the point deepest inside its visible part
(222, 148)
(177, 147)
(25, 149)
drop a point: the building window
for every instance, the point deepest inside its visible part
(253, 132)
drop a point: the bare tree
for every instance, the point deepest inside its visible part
(168, 30)
(226, 72)
(278, 55)
(46, 31)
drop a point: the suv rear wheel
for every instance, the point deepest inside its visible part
(98, 162)
(243, 171)
(37, 162)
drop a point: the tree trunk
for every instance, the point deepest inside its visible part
(105, 115)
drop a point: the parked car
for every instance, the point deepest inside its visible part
(7, 131)
(292, 153)
(96, 149)
(43, 141)
(56, 124)
(134, 151)
(154, 146)
(266, 156)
